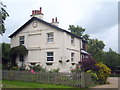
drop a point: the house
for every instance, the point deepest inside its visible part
(47, 44)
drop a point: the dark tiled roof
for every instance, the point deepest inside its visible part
(42, 21)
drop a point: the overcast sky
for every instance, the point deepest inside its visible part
(98, 17)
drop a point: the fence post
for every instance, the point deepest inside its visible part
(82, 79)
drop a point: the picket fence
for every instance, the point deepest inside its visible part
(67, 79)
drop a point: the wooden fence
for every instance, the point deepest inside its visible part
(68, 79)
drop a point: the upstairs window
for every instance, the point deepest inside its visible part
(50, 56)
(50, 37)
(21, 40)
(72, 40)
(72, 56)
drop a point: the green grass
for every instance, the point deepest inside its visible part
(21, 84)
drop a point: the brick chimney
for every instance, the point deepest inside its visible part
(37, 13)
(55, 21)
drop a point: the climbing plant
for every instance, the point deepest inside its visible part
(18, 50)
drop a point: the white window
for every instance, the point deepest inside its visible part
(50, 56)
(50, 37)
(72, 56)
(21, 40)
(72, 40)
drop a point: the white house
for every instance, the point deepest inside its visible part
(47, 44)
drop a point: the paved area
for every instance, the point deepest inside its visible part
(114, 83)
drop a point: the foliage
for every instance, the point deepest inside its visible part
(5, 53)
(37, 68)
(114, 75)
(18, 50)
(95, 47)
(76, 30)
(88, 64)
(6, 62)
(3, 16)
(93, 74)
(55, 70)
(103, 73)
(98, 70)
(111, 59)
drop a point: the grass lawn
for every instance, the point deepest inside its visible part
(21, 84)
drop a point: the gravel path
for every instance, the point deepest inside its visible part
(114, 83)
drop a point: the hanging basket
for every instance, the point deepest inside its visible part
(73, 63)
(60, 61)
(67, 60)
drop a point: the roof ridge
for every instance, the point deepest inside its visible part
(49, 24)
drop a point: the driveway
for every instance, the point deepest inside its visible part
(114, 83)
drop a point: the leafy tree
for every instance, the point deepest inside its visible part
(5, 48)
(111, 59)
(5, 52)
(76, 30)
(95, 47)
(3, 16)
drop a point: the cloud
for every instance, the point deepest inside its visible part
(100, 16)
(109, 37)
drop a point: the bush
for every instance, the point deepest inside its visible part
(55, 70)
(37, 68)
(98, 71)
(89, 64)
(103, 73)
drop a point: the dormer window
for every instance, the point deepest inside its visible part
(72, 40)
(21, 40)
(50, 37)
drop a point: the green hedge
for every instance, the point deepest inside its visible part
(114, 75)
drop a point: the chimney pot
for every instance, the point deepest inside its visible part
(33, 12)
(52, 20)
(56, 19)
(40, 10)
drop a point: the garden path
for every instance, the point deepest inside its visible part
(114, 83)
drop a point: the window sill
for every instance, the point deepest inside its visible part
(50, 43)
(49, 63)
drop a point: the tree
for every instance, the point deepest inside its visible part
(5, 54)
(111, 59)
(95, 47)
(78, 31)
(3, 16)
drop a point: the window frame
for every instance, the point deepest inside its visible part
(50, 38)
(72, 56)
(72, 40)
(21, 40)
(21, 58)
(50, 56)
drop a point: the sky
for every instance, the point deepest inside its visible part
(98, 17)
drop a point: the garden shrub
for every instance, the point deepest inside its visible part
(99, 71)
(103, 73)
(55, 70)
(37, 68)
